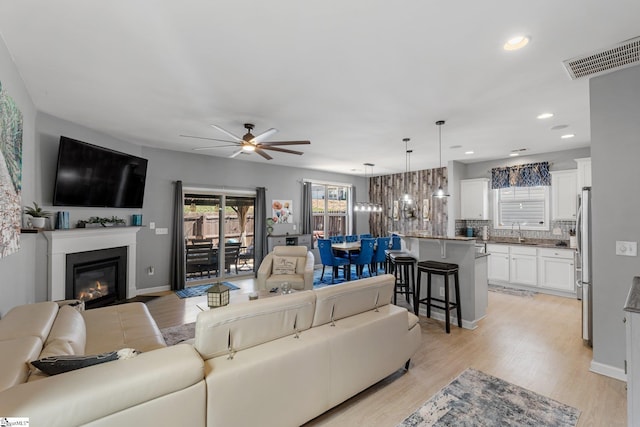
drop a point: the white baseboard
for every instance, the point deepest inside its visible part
(439, 315)
(608, 370)
(152, 290)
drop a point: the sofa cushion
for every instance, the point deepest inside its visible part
(121, 326)
(350, 298)
(68, 327)
(247, 324)
(15, 356)
(284, 264)
(29, 320)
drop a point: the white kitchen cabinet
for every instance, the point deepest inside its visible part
(556, 269)
(583, 178)
(498, 263)
(522, 266)
(564, 195)
(474, 198)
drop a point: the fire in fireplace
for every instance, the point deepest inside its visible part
(97, 277)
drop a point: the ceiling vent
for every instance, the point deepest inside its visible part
(622, 55)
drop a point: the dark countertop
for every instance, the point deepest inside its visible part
(633, 299)
(535, 243)
(420, 235)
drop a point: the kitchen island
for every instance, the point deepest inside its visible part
(472, 272)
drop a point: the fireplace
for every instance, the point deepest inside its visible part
(97, 277)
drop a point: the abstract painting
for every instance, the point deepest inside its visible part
(10, 174)
(282, 211)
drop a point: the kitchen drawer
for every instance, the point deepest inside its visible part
(523, 250)
(556, 253)
(497, 249)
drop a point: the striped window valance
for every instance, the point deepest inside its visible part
(528, 175)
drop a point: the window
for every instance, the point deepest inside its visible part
(330, 210)
(527, 207)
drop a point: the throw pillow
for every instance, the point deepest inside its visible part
(60, 364)
(284, 265)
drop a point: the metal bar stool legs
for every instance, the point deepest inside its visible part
(442, 269)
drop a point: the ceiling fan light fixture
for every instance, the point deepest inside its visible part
(249, 147)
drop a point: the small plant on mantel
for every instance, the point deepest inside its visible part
(38, 216)
(96, 221)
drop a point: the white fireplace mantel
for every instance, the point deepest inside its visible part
(63, 242)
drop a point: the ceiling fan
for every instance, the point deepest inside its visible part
(249, 142)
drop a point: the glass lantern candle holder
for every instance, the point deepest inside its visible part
(217, 295)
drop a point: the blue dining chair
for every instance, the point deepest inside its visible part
(351, 238)
(379, 255)
(366, 236)
(328, 259)
(364, 257)
(337, 239)
(395, 245)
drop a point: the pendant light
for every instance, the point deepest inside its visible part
(440, 193)
(406, 198)
(367, 206)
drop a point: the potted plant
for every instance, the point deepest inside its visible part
(38, 216)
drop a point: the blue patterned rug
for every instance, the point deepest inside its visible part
(326, 281)
(196, 291)
(478, 399)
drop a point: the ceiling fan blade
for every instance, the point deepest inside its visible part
(236, 153)
(208, 139)
(285, 143)
(223, 130)
(214, 148)
(282, 150)
(263, 154)
(264, 135)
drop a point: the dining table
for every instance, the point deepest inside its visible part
(349, 248)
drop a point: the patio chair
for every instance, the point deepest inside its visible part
(231, 254)
(202, 258)
(245, 255)
(329, 259)
(365, 256)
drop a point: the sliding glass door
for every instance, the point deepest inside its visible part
(219, 231)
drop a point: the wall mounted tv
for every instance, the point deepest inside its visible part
(88, 175)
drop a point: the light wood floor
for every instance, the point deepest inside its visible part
(532, 342)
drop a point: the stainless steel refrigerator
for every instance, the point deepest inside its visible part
(583, 264)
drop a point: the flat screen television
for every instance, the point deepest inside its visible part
(92, 176)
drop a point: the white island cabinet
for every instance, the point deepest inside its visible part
(632, 324)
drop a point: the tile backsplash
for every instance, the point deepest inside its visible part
(564, 226)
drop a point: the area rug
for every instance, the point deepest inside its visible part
(177, 334)
(478, 399)
(196, 291)
(326, 281)
(512, 291)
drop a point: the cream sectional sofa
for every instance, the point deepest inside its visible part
(277, 361)
(284, 360)
(144, 390)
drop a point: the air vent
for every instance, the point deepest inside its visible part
(623, 55)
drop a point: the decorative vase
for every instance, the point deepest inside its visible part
(38, 222)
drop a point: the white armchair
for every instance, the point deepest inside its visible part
(293, 264)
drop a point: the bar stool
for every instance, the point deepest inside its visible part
(442, 269)
(388, 266)
(403, 265)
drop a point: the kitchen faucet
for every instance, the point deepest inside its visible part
(520, 238)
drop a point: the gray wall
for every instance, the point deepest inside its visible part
(17, 271)
(615, 152)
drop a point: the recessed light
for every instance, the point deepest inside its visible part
(567, 136)
(468, 152)
(516, 43)
(513, 154)
(545, 116)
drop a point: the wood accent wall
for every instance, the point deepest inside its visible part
(387, 189)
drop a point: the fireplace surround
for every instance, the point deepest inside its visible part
(63, 242)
